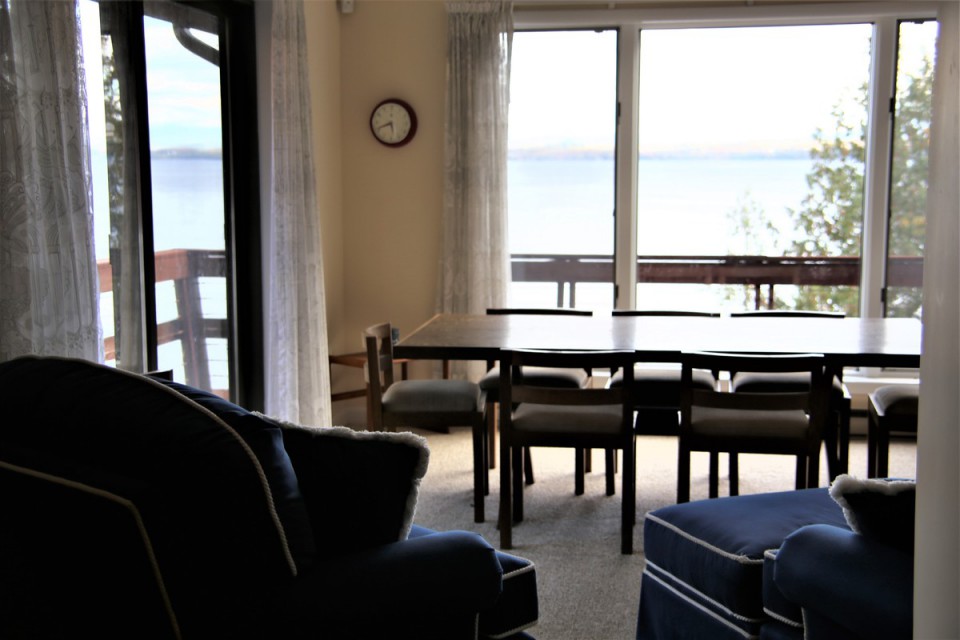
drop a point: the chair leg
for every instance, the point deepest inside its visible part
(813, 469)
(611, 464)
(714, 490)
(831, 444)
(683, 475)
(883, 452)
(579, 464)
(480, 471)
(629, 497)
(527, 466)
(588, 460)
(873, 433)
(801, 481)
(506, 510)
(844, 427)
(492, 417)
(516, 459)
(734, 473)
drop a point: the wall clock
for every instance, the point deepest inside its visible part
(393, 122)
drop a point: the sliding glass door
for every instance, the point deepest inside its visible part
(176, 196)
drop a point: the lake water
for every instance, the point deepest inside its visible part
(686, 207)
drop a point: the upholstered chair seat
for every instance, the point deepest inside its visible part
(431, 395)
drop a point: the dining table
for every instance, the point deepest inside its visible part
(845, 342)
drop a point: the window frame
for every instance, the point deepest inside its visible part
(630, 22)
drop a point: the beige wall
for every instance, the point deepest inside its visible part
(392, 197)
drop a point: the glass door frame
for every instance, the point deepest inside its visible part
(241, 190)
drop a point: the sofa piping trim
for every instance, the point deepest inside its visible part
(518, 572)
(507, 634)
(696, 604)
(268, 493)
(771, 554)
(718, 605)
(127, 504)
(783, 619)
(530, 567)
(703, 543)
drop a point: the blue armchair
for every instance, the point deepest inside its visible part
(136, 507)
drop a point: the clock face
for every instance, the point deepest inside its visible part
(393, 122)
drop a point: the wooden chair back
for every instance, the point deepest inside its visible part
(787, 313)
(515, 311)
(810, 401)
(379, 366)
(513, 390)
(664, 313)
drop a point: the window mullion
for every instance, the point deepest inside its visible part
(876, 187)
(628, 91)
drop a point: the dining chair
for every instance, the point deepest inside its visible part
(571, 417)
(836, 434)
(426, 404)
(657, 385)
(656, 396)
(546, 376)
(892, 408)
(786, 422)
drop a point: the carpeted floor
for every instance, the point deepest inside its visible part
(588, 590)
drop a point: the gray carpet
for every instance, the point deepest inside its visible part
(588, 590)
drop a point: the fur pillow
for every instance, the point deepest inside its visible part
(360, 487)
(878, 508)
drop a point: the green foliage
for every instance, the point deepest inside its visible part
(830, 216)
(909, 194)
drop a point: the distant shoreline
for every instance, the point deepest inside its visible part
(595, 154)
(187, 154)
(551, 154)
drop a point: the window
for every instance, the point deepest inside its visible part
(175, 188)
(751, 157)
(563, 105)
(728, 179)
(908, 172)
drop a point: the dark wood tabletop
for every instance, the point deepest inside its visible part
(846, 342)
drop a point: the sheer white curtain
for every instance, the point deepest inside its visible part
(475, 267)
(298, 388)
(48, 270)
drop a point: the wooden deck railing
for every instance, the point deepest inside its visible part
(567, 271)
(184, 267)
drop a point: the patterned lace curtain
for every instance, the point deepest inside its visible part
(48, 271)
(475, 261)
(298, 387)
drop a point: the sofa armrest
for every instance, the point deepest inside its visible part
(848, 585)
(403, 589)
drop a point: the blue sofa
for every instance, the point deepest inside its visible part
(813, 564)
(139, 508)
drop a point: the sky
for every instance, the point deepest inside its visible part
(734, 89)
(724, 89)
(183, 89)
